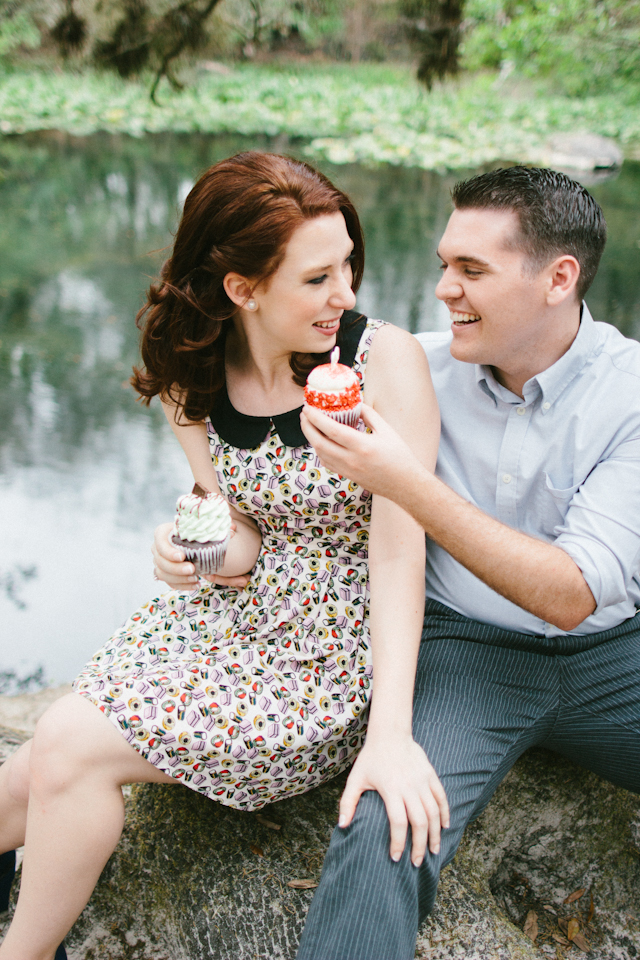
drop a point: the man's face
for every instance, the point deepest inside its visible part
(498, 306)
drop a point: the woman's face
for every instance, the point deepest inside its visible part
(300, 306)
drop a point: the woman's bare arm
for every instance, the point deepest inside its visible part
(398, 386)
(245, 543)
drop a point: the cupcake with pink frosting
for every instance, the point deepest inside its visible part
(335, 389)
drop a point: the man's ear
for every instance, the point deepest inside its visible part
(237, 288)
(562, 277)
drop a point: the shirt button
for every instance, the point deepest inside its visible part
(520, 411)
(546, 406)
(506, 478)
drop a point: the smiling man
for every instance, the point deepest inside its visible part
(533, 539)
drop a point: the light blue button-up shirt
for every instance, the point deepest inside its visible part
(562, 465)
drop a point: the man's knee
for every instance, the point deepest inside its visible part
(360, 853)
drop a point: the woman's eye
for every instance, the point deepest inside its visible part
(318, 280)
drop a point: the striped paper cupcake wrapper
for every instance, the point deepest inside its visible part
(206, 557)
(348, 417)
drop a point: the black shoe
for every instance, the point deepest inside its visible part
(7, 873)
(61, 953)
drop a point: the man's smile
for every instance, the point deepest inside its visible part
(463, 318)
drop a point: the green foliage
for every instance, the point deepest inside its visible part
(585, 46)
(17, 28)
(368, 113)
(434, 28)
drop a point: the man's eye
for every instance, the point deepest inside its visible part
(473, 273)
(442, 266)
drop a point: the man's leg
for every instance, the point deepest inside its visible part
(598, 725)
(476, 709)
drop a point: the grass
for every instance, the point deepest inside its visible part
(363, 113)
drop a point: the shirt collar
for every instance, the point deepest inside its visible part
(551, 382)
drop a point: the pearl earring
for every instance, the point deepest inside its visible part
(252, 305)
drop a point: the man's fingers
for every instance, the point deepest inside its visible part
(371, 417)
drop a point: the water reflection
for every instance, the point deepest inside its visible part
(85, 472)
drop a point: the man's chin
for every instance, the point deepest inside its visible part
(466, 352)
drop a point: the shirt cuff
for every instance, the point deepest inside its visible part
(599, 567)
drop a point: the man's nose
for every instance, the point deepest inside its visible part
(448, 288)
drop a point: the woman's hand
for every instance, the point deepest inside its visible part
(170, 564)
(399, 771)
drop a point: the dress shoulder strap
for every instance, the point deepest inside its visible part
(362, 351)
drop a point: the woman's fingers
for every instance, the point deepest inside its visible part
(420, 828)
(238, 583)
(349, 800)
(441, 799)
(398, 825)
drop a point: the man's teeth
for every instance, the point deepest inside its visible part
(464, 317)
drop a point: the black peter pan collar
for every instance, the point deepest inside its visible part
(245, 432)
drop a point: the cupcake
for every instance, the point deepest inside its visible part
(335, 389)
(202, 529)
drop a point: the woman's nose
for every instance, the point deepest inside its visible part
(448, 288)
(343, 296)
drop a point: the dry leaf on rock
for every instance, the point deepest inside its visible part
(547, 906)
(268, 823)
(302, 884)
(259, 852)
(560, 939)
(581, 943)
(591, 909)
(575, 895)
(573, 928)
(562, 923)
(530, 928)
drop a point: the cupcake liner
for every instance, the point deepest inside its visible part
(348, 417)
(206, 557)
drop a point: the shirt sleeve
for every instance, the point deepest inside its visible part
(601, 529)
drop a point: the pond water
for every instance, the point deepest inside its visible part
(85, 472)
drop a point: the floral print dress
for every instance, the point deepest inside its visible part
(249, 696)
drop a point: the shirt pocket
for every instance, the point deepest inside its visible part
(552, 504)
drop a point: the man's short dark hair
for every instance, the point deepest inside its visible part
(557, 215)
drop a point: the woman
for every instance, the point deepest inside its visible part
(256, 688)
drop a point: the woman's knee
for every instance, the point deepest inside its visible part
(16, 771)
(69, 742)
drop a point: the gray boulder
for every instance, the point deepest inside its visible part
(583, 152)
(193, 880)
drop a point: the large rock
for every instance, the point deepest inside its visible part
(581, 151)
(193, 880)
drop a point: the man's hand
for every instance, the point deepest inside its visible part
(373, 459)
(399, 771)
(170, 564)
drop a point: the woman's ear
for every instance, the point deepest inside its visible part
(237, 288)
(563, 276)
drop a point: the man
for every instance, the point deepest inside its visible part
(533, 539)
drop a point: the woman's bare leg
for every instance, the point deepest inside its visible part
(76, 813)
(14, 798)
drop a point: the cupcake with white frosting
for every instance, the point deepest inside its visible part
(202, 529)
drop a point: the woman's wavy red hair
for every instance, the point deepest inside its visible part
(238, 218)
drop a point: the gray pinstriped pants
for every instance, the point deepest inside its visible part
(483, 696)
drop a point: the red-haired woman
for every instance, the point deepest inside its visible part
(252, 685)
